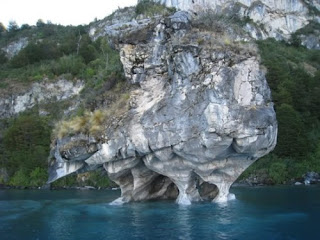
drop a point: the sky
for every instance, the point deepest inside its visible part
(65, 12)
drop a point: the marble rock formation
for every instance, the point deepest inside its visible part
(200, 114)
(279, 18)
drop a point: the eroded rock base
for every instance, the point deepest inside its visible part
(165, 181)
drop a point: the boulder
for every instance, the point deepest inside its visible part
(311, 178)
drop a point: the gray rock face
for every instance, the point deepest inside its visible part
(119, 24)
(201, 115)
(15, 47)
(311, 178)
(279, 17)
(14, 103)
(311, 41)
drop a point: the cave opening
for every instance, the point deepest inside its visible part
(164, 185)
(208, 191)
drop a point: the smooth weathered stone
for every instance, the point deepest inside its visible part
(201, 114)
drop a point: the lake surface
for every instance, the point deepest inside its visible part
(257, 213)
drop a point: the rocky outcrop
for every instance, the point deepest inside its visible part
(311, 178)
(18, 100)
(13, 48)
(311, 41)
(279, 18)
(201, 114)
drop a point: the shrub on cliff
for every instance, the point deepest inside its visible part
(71, 64)
(90, 123)
(93, 123)
(150, 8)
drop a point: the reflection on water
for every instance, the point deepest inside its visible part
(137, 221)
(271, 213)
(184, 222)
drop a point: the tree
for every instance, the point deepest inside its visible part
(2, 28)
(40, 23)
(86, 50)
(3, 57)
(32, 53)
(25, 26)
(13, 26)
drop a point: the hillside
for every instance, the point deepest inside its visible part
(48, 73)
(70, 84)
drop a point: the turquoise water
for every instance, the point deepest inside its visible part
(257, 213)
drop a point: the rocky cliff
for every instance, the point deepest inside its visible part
(277, 18)
(19, 99)
(200, 113)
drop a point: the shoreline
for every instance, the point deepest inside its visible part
(91, 188)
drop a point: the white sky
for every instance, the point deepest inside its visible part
(65, 12)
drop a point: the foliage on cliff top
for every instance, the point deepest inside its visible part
(55, 50)
(150, 8)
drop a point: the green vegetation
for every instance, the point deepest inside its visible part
(55, 50)
(35, 178)
(27, 142)
(52, 52)
(25, 150)
(93, 123)
(293, 74)
(48, 45)
(150, 8)
(312, 28)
